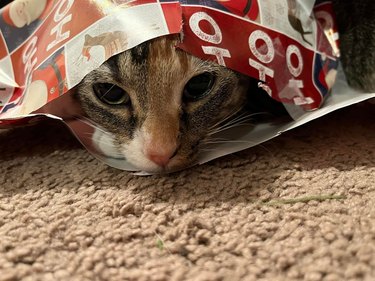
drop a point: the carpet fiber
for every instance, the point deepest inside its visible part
(300, 207)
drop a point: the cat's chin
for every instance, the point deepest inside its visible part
(161, 171)
(145, 165)
(166, 170)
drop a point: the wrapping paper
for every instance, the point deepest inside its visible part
(291, 46)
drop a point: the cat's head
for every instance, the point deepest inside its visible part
(159, 104)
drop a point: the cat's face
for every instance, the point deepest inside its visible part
(160, 104)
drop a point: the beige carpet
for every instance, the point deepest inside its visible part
(248, 216)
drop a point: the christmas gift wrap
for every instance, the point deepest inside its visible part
(48, 46)
(290, 46)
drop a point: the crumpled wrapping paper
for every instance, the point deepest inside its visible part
(291, 46)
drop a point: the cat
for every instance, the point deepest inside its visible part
(160, 104)
(356, 24)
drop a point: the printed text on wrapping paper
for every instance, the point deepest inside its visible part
(263, 55)
(60, 18)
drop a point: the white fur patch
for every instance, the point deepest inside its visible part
(104, 143)
(134, 152)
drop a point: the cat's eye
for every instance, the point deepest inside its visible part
(111, 94)
(199, 86)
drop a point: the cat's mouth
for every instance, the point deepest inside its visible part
(162, 164)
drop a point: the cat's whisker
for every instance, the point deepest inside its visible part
(208, 149)
(230, 126)
(241, 119)
(82, 118)
(237, 121)
(214, 142)
(215, 139)
(226, 125)
(233, 113)
(230, 115)
(228, 141)
(245, 116)
(233, 141)
(90, 123)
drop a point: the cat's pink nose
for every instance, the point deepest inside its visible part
(160, 155)
(160, 159)
(160, 151)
